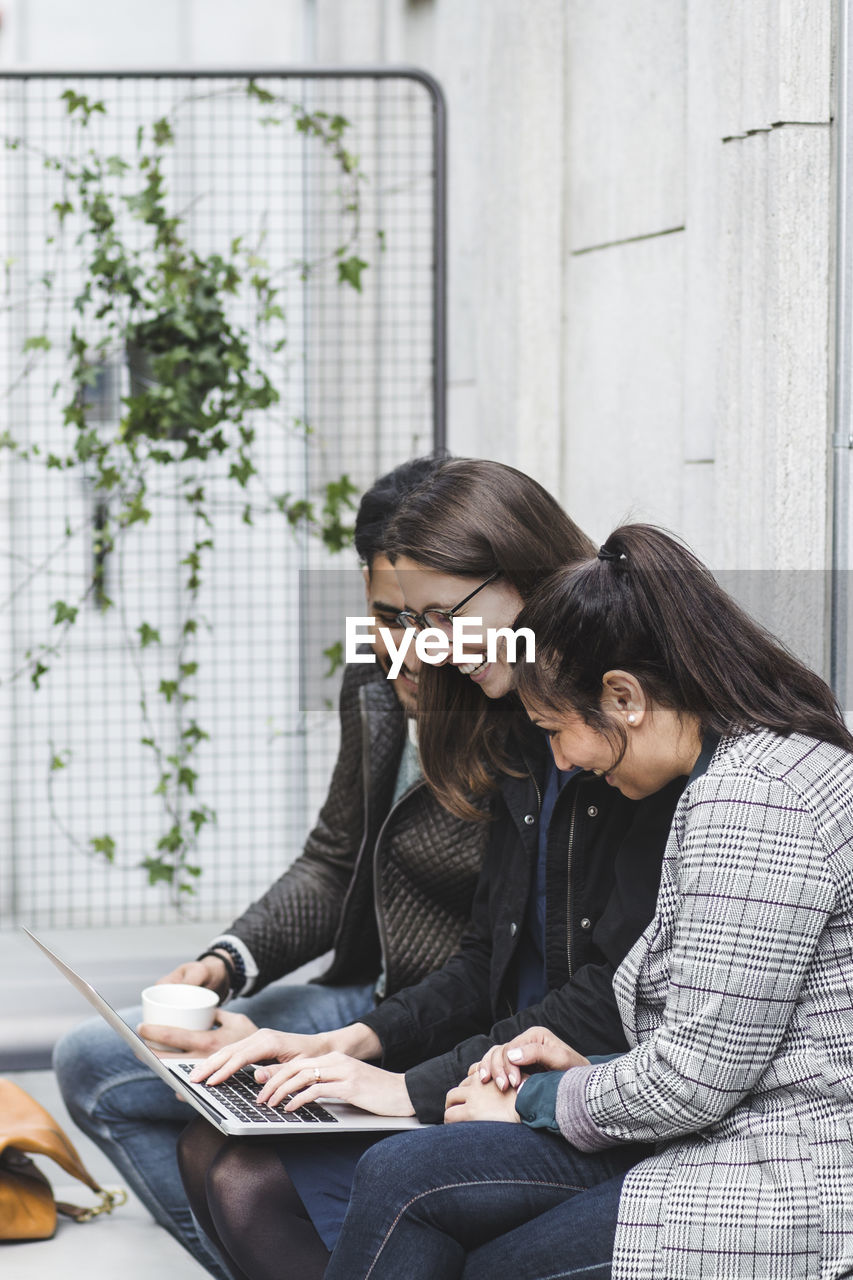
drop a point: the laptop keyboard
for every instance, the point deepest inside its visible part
(238, 1094)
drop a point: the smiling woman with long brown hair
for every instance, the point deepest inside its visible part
(475, 522)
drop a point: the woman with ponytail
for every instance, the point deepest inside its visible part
(736, 1000)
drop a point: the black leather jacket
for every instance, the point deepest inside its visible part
(602, 878)
(388, 887)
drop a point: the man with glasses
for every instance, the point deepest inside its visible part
(385, 880)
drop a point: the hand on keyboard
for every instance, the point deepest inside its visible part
(335, 1075)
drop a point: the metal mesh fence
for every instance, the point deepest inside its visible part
(323, 188)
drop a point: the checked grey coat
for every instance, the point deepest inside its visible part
(739, 1000)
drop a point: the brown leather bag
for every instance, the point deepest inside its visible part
(27, 1207)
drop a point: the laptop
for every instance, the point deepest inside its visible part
(231, 1106)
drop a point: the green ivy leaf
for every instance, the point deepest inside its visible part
(147, 635)
(300, 510)
(187, 778)
(168, 688)
(199, 817)
(194, 735)
(349, 272)
(105, 845)
(162, 132)
(39, 343)
(135, 511)
(108, 478)
(334, 655)
(242, 471)
(172, 841)
(36, 674)
(63, 612)
(254, 90)
(340, 497)
(158, 870)
(79, 102)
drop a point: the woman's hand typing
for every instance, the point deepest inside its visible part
(356, 1040)
(327, 1065)
(335, 1075)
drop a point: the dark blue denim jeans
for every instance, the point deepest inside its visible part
(474, 1200)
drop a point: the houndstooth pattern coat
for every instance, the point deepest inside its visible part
(738, 999)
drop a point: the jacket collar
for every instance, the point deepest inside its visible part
(383, 736)
(710, 742)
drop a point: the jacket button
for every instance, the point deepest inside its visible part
(513, 929)
(529, 819)
(586, 923)
(592, 811)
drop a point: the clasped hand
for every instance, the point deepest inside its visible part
(489, 1091)
(310, 1068)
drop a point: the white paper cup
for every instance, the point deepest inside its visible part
(174, 1004)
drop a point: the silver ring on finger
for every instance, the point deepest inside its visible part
(316, 1075)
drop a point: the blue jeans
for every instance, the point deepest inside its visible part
(475, 1200)
(135, 1118)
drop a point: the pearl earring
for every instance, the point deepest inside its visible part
(632, 719)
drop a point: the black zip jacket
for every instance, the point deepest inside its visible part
(602, 875)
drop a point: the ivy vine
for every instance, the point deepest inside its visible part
(198, 379)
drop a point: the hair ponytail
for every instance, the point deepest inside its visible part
(647, 605)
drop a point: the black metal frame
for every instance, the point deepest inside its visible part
(439, 109)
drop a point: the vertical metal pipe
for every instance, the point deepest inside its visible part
(440, 268)
(842, 439)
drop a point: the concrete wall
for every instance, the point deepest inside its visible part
(640, 233)
(640, 252)
(120, 34)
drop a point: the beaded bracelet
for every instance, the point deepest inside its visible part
(230, 971)
(236, 959)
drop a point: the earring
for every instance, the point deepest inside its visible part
(632, 719)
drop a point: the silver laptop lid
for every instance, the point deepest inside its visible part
(346, 1118)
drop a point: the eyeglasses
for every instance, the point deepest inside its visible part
(440, 618)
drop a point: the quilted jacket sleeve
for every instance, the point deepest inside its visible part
(297, 918)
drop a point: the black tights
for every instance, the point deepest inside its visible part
(240, 1192)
